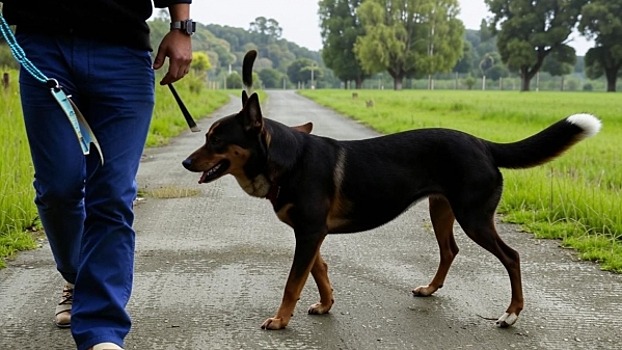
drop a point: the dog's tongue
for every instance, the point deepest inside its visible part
(203, 176)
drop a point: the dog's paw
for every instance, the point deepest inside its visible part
(424, 291)
(319, 309)
(506, 320)
(274, 323)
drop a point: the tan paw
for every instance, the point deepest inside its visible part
(274, 323)
(319, 309)
(424, 291)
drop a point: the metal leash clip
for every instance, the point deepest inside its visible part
(83, 131)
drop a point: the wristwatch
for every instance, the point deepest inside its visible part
(187, 27)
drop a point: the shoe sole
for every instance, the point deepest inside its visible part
(62, 325)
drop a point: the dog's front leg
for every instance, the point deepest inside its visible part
(307, 249)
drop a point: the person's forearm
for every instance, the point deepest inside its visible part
(179, 12)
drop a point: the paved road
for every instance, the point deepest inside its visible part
(212, 262)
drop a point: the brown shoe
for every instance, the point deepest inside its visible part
(62, 318)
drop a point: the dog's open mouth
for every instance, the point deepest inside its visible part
(214, 172)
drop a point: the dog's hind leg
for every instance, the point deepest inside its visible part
(305, 254)
(443, 222)
(319, 271)
(481, 229)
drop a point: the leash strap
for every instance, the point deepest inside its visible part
(79, 124)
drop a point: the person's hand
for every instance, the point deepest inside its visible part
(177, 46)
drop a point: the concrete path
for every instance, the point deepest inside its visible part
(211, 264)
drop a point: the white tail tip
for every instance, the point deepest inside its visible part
(589, 123)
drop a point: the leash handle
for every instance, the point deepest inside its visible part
(191, 123)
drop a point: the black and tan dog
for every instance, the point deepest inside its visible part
(318, 185)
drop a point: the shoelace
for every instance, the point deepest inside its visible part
(67, 297)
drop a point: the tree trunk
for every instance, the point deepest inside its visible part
(527, 72)
(359, 83)
(525, 78)
(612, 77)
(398, 82)
(524, 83)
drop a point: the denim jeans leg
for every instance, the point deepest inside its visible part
(56, 155)
(85, 207)
(119, 83)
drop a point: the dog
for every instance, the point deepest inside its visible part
(319, 186)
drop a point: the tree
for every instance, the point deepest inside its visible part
(530, 30)
(601, 20)
(200, 62)
(268, 30)
(560, 63)
(409, 38)
(442, 34)
(300, 70)
(465, 63)
(340, 27)
(271, 78)
(234, 81)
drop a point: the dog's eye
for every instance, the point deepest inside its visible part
(216, 142)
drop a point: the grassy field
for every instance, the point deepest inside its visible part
(18, 215)
(17, 210)
(575, 198)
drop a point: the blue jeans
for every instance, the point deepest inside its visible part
(87, 208)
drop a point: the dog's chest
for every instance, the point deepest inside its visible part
(258, 186)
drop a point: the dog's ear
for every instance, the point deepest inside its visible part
(244, 97)
(306, 128)
(253, 120)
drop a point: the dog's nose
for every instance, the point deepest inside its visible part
(187, 163)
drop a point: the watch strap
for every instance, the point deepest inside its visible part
(188, 26)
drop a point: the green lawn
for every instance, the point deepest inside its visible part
(575, 198)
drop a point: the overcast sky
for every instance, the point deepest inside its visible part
(299, 18)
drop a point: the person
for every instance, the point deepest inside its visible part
(99, 52)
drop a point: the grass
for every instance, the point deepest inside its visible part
(17, 211)
(575, 198)
(18, 214)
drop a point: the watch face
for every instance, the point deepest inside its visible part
(191, 27)
(188, 26)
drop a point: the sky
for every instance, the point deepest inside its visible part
(300, 22)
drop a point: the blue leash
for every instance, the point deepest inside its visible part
(78, 122)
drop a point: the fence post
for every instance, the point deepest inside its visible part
(5, 80)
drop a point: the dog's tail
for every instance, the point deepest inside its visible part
(547, 144)
(247, 70)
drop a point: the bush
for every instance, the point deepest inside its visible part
(234, 81)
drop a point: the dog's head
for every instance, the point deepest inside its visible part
(234, 145)
(238, 144)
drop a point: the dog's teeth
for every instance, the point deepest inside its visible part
(213, 170)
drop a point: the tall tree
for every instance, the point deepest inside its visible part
(560, 63)
(268, 30)
(409, 38)
(443, 35)
(529, 30)
(340, 27)
(601, 20)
